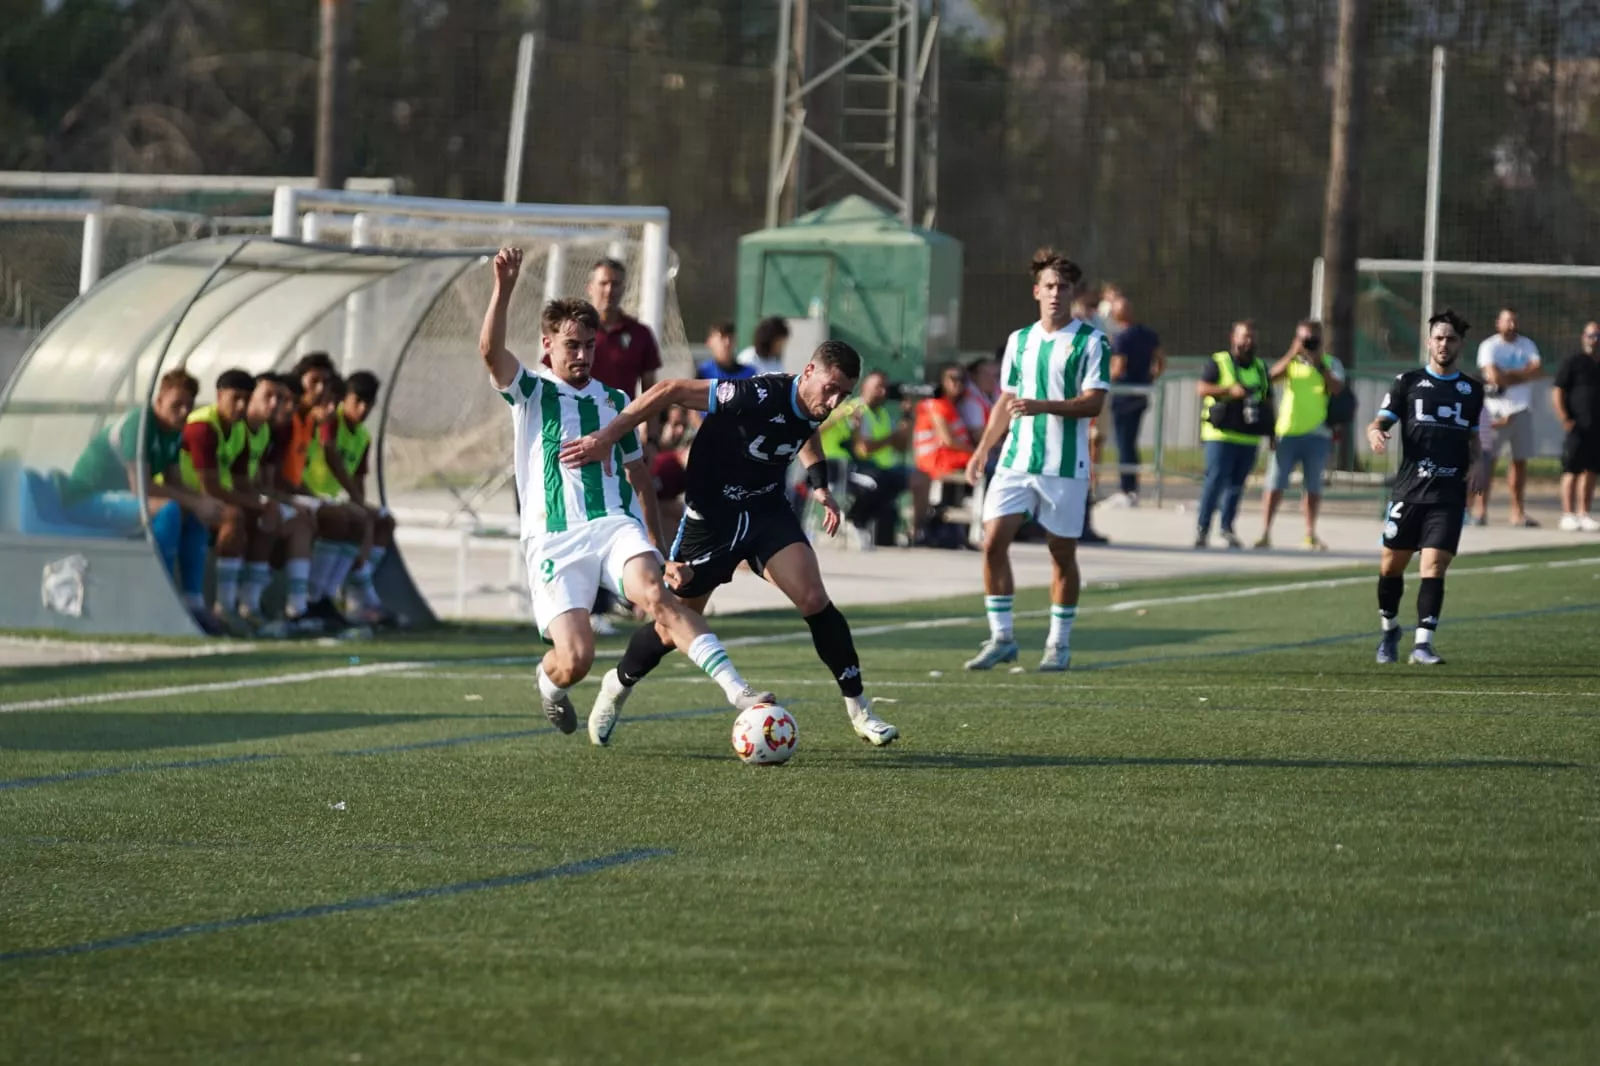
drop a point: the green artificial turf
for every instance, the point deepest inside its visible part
(1226, 837)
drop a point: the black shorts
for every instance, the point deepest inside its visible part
(716, 545)
(1409, 527)
(1580, 453)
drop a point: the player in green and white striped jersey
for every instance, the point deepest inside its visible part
(585, 525)
(1053, 380)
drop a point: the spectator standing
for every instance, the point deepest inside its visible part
(1510, 363)
(1136, 359)
(723, 365)
(1576, 398)
(626, 357)
(1310, 377)
(1235, 413)
(765, 353)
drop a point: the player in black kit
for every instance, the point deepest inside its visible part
(735, 511)
(1437, 408)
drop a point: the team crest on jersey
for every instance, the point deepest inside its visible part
(725, 392)
(1464, 387)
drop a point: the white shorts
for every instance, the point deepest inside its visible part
(1059, 504)
(310, 503)
(566, 570)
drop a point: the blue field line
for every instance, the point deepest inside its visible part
(571, 869)
(136, 768)
(386, 749)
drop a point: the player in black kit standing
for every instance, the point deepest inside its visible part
(735, 511)
(1437, 408)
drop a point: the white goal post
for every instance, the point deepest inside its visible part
(291, 203)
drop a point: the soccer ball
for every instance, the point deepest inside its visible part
(765, 735)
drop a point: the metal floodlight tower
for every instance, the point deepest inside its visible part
(855, 102)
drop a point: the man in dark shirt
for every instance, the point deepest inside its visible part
(1576, 397)
(1437, 409)
(735, 511)
(1136, 359)
(724, 362)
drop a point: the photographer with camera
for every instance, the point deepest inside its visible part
(1235, 413)
(1311, 379)
(879, 434)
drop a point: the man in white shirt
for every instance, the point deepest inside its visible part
(581, 526)
(1510, 363)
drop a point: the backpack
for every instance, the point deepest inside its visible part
(1342, 408)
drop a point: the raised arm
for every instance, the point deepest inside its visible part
(596, 447)
(503, 366)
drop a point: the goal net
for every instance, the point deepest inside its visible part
(446, 440)
(43, 245)
(1552, 303)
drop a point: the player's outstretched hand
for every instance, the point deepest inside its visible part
(830, 511)
(507, 265)
(678, 575)
(1378, 439)
(586, 450)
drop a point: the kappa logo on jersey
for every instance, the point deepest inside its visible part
(726, 392)
(761, 394)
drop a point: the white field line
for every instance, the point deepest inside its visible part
(738, 642)
(987, 681)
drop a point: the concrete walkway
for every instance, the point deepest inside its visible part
(1145, 543)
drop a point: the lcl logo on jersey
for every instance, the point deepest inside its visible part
(1445, 412)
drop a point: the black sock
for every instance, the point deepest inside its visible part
(645, 651)
(1390, 591)
(831, 634)
(1430, 602)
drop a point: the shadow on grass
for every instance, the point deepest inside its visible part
(994, 761)
(133, 731)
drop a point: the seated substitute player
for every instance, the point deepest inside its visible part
(735, 511)
(337, 467)
(581, 525)
(1437, 408)
(1052, 388)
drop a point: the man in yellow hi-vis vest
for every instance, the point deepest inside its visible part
(1235, 414)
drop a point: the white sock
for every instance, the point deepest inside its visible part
(361, 581)
(298, 572)
(999, 611)
(341, 568)
(1389, 623)
(228, 582)
(323, 555)
(1061, 619)
(547, 688)
(707, 653)
(257, 576)
(1424, 636)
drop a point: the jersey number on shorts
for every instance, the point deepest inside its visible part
(547, 570)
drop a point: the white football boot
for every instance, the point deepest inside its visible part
(868, 726)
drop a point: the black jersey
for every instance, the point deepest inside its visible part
(752, 430)
(1438, 420)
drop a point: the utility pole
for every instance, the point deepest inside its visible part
(1341, 217)
(333, 96)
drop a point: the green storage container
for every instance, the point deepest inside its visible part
(892, 291)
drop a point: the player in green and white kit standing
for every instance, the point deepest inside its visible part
(1052, 380)
(582, 526)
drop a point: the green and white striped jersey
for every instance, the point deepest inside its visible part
(546, 413)
(1051, 366)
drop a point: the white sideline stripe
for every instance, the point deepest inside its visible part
(210, 686)
(988, 682)
(737, 642)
